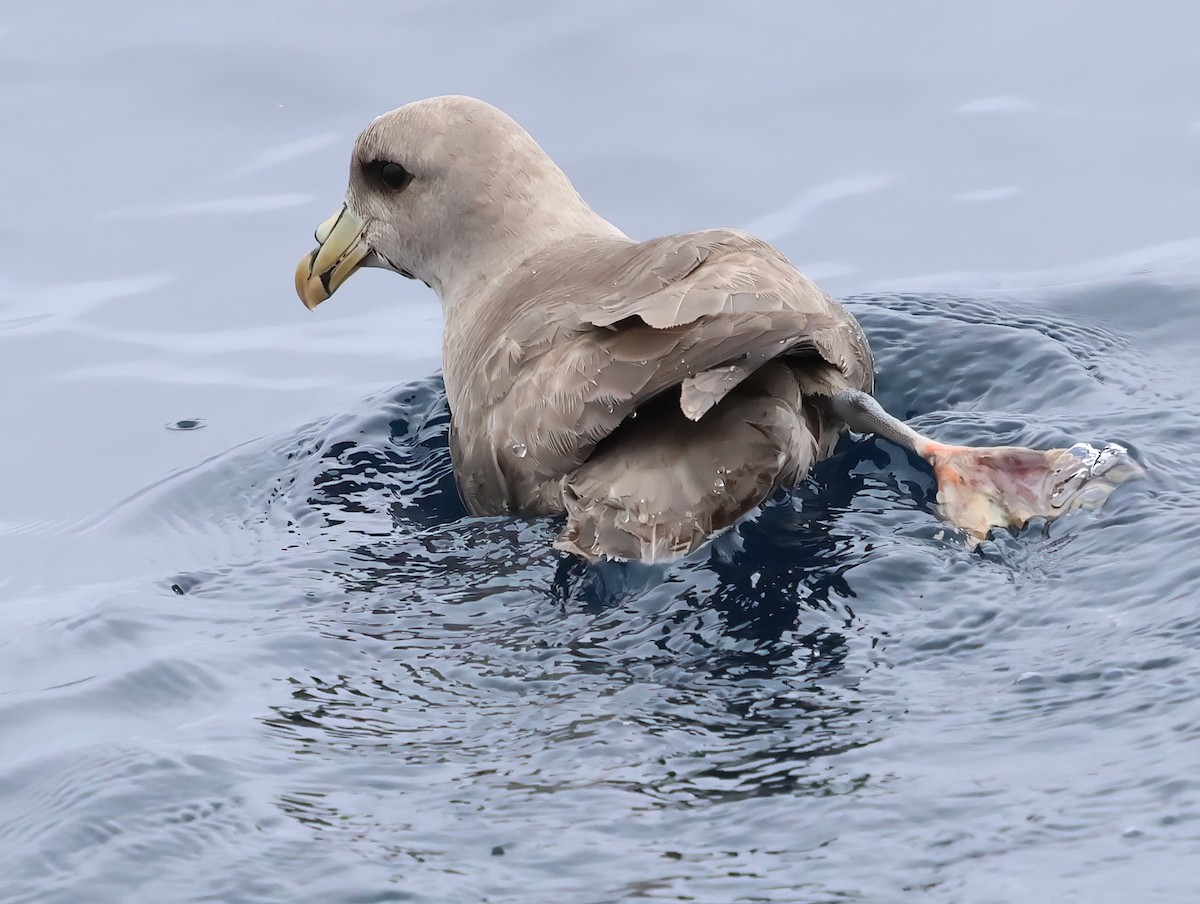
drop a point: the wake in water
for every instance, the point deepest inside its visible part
(348, 666)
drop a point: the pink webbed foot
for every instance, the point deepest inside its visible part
(1006, 486)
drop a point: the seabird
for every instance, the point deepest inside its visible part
(653, 392)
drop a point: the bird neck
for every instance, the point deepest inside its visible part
(479, 313)
(467, 280)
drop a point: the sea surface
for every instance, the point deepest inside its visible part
(252, 648)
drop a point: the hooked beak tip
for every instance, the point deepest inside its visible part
(308, 287)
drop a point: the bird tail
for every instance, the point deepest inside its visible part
(662, 484)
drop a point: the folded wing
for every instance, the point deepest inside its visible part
(681, 323)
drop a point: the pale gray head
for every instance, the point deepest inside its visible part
(451, 191)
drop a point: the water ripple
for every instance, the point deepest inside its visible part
(398, 701)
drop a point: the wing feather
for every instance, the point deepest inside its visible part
(584, 335)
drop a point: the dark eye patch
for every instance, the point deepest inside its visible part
(388, 174)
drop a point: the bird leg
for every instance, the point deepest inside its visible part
(998, 486)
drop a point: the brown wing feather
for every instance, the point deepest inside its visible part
(557, 365)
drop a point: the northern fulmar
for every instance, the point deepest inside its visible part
(653, 392)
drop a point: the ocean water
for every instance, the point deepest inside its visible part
(253, 649)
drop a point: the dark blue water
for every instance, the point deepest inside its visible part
(270, 658)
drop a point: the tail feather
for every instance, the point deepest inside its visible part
(662, 484)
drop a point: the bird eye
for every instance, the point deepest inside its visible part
(392, 175)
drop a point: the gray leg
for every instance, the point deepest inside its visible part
(862, 414)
